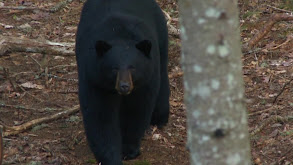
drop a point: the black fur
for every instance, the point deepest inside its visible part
(116, 35)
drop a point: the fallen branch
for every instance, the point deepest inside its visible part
(271, 120)
(278, 9)
(268, 26)
(275, 108)
(21, 128)
(16, 44)
(23, 8)
(282, 90)
(289, 38)
(54, 9)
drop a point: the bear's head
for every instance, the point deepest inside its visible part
(124, 67)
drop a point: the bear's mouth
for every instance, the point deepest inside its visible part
(124, 84)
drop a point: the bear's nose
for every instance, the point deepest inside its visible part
(124, 87)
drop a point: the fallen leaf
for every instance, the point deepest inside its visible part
(31, 85)
(157, 136)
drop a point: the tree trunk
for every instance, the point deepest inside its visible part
(211, 61)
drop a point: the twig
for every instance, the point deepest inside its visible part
(25, 108)
(278, 9)
(36, 61)
(283, 156)
(16, 107)
(62, 66)
(60, 78)
(23, 8)
(21, 128)
(265, 110)
(66, 91)
(54, 9)
(29, 93)
(270, 120)
(282, 90)
(284, 43)
(267, 27)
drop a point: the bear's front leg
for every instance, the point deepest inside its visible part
(101, 122)
(135, 119)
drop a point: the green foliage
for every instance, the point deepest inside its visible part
(287, 133)
(91, 161)
(15, 17)
(263, 102)
(264, 64)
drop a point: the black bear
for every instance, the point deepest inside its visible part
(122, 55)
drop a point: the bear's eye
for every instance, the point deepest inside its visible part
(131, 68)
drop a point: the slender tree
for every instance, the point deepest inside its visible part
(211, 61)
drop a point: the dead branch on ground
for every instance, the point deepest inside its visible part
(23, 8)
(21, 128)
(282, 90)
(271, 120)
(289, 38)
(268, 26)
(17, 44)
(278, 9)
(275, 108)
(54, 9)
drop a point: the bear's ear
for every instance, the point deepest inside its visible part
(144, 46)
(102, 47)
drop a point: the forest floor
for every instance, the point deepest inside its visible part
(33, 86)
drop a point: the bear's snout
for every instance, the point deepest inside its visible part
(124, 83)
(124, 88)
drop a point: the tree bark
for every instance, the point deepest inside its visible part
(211, 61)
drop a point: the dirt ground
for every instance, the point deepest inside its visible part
(33, 85)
